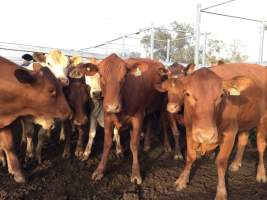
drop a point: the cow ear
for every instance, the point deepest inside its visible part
(24, 76)
(236, 85)
(88, 69)
(39, 57)
(137, 68)
(165, 85)
(159, 87)
(75, 73)
(163, 71)
(190, 68)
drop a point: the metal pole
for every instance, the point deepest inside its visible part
(197, 35)
(204, 50)
(168, 50)
(262, 28)
(152, 42)
(123, 46)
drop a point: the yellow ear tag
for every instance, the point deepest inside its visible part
(234, 92)
(138, 72)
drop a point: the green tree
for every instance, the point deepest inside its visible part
(234, 52)
(182, 49)
(215, 48)
(160, 43)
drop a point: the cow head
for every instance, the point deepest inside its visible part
(44, 94)
(92, 78)
(57, 62)
(77, 96)
(204, 94)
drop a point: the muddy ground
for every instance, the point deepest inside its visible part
(62, 179)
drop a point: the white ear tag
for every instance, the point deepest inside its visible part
(234, 92)
(138, 72)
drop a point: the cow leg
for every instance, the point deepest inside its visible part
(176, 134)
(23, 137)
(117, 140)
(29, 146)
(92, 133)
(167, 145)
(67, 131)
(191, 156)
(242, 142)
(62, 133)
(261, 145)
(79, 146)
(12, 160)
(134, 145)
(147, 142)
(42, 133)
(99, 172)
(221, 163)
(2, 158)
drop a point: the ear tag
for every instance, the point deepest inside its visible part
(234, 92)
(138, 72)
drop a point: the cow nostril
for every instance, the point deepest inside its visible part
(117, 107)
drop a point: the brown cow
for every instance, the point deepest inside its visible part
(42, 96)
(175, 72)
(129, 94)
(214, 117)
(77, 96)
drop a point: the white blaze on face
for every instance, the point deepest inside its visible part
(94, 83)
(57, 62)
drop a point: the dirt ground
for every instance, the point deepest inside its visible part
(61, 179)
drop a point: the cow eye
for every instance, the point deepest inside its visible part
(187, 94)
(52, 92)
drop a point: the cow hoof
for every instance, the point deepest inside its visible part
(261, 177)
(180, 184)
(79, 153)
(3, 162)
(222, 196)
(178, 156)
(234, 167)
(97, 175)
(136, 179)
(66, 155)
(85, 156)
(167, 149)
(19, 178)
(120, 155)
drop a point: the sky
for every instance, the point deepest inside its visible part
(76, 24)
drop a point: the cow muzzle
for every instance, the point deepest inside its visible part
(113, 108)
(205, 136)
(64, 81)
(97, 94)
(172, 107)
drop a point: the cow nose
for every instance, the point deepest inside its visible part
(64, 81)
(173, 107)
(113, 108)
(96, 94)
(207, 138)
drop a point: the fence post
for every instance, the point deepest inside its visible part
(262, 29)
(197, 35)
(123, 47)
(152, 42)
(168, 50)
(204, 50)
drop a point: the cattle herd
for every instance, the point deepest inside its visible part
(215, 104)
